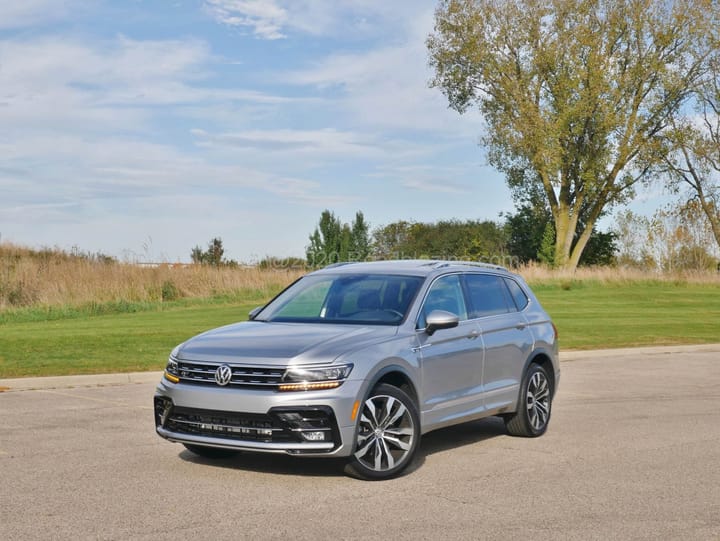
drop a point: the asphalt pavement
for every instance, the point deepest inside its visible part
(632, 452)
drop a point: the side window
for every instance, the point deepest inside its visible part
(445, 294)
(488, 295)
(518, 295)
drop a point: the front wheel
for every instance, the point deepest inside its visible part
(533, 414)
(388, 434)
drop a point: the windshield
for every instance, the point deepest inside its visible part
(369, 299)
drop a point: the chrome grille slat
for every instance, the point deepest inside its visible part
(255, 384)
(242, 375)
(226, 426)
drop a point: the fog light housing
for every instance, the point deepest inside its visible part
(309, 425)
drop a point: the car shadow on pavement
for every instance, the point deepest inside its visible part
(453, 437)
(437, 441)
(279, 464)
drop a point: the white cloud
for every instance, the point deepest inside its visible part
(97, 142)
(265, 17)
(274, 19)
(325, 141)
(387, 86)
(64, 84)
(54, 83)
(25, 13)
(436, 185)
(113, 168)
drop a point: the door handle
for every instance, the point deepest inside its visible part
(521, 326)
(473, 335)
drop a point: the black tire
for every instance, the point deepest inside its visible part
(387, 436)
(534, 405)
(209, 452)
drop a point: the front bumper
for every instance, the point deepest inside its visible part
(262, 447)
(315, 423)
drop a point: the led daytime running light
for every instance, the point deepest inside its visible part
(309, 386)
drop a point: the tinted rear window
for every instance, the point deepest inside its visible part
(488, 295)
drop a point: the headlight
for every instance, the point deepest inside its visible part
(314, 379)
(171, 371)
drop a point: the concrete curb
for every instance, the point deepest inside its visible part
(99, 380)
(579, 355)
(66, 382)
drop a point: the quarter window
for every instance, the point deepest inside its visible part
(488, 295)
(518, 295)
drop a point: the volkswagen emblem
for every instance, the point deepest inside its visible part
(223, 375)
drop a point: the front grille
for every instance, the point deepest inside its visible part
(242, 376)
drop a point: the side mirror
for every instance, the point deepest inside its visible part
(440, 319)
(254, 312)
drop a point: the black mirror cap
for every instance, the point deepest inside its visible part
(440, 319)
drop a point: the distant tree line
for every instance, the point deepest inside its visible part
(522, 237)
(675, 238)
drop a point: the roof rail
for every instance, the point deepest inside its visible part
(339, 264)
(442, 264)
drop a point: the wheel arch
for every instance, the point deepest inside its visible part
(396, 376)
(543, 359)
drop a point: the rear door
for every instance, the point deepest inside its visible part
(506, 336)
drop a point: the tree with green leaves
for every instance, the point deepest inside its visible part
(446, 239)
(212, 256)
(694, 165)
(359, 238)
(531, 237)
(333, 241)
(576, 94)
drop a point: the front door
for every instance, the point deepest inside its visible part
(451, 358)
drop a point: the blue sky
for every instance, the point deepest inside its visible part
(143, 128)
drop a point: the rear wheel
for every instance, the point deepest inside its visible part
(209, 452)
(533, 414)
(388, 434)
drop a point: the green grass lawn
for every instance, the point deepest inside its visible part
(592, 315)
(124, 342)
(588, 315)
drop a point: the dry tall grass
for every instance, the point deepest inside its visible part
(56, 278)
(48, 278)
(539, 274)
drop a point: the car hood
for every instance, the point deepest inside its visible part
(281, 344)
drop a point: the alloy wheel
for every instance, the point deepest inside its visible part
(538, 400)
(386, 433)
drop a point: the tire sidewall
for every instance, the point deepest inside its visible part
(532, 370)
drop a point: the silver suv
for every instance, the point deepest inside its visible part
(358, 360)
